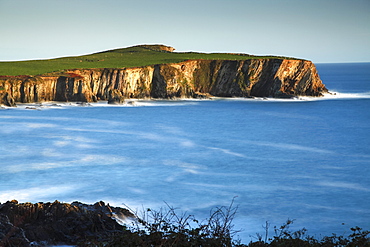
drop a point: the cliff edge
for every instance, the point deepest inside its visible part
(267, 77)
(45, 224)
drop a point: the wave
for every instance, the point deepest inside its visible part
(187, 101)
(128, 103)
(340, 96)
(365, 95)
(326, 96)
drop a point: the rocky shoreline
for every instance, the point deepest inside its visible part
(45, 224)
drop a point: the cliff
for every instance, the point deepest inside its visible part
(274, 77)
(45, 224)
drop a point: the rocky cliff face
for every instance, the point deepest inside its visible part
(27, 224)
(194, 78)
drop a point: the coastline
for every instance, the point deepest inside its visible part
(99, 224)
(136, 102)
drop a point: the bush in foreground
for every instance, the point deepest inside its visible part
(166, 227)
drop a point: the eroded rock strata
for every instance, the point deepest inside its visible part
(27, 224)
(277, 78)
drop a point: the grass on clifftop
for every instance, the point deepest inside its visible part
(136, 56)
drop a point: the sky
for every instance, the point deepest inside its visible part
(323, 31)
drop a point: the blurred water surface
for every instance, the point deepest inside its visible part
(303, 159)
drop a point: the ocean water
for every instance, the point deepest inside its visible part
(304, 159)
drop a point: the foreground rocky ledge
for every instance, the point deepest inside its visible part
(27, 224)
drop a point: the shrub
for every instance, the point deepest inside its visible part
(167, 227)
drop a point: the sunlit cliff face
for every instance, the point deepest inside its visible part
(280, 78)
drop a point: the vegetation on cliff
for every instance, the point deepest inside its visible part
(137, 56)
(156, 72)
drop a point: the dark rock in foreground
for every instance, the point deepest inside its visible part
(27, 224)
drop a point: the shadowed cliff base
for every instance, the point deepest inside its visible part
(243, 76)
(78, 224)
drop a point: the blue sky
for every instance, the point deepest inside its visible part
(318, 30)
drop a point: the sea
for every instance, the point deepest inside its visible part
(303, 159)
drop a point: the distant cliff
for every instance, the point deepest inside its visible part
(279, 78)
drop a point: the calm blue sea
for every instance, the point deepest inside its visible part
(303, 159)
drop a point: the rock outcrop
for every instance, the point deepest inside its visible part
(26, 224)
(189, 79)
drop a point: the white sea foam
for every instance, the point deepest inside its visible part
(184, 101)
(127, 103)
(339, 96)
(249, 157)
(327, 96)
(333, 208)
(186, 167)
(34, 166)
(50, 152)
(227, 151)
(40, 125)
(136, 190)
(171, 129)
(187, 143)
(342, 185)
(36, 193)
(282, 114)
(152, 136)
(183, 164)
(73, 161)
(76, 141)
(181, 102)
(289, 146)
(10, 150)
(23, 126)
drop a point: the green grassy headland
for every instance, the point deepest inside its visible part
(136, 56)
